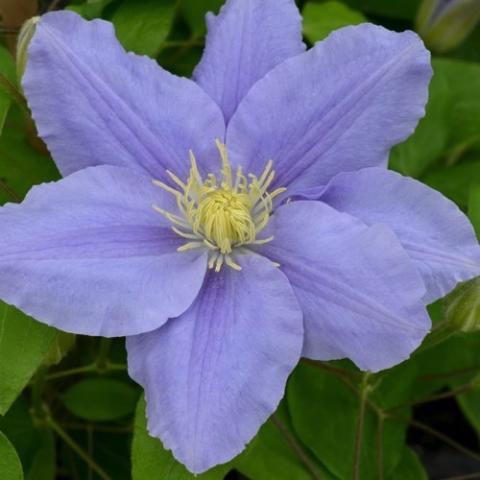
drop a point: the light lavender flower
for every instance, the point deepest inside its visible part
(276, 230)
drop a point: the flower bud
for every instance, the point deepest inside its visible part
(463, 307)
(24, 37)
(444, 24)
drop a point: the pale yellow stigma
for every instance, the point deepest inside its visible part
(221, 213)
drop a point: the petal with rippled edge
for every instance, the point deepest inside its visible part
(432, 229)
(245, 41)
(214, 375)
(94, 103)
(89, 255)
(360, 293)
(339, 107)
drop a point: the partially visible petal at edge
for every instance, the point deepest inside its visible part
(89, 255)
(245, 41)
(214, 375)
(360, 293)
(341, 106)
(94, 103)
(433, 230)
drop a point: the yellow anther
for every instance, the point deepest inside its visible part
(221, 213)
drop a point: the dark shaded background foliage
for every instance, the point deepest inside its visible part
(67, 407)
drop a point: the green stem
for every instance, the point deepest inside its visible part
(14, 93)
(433, 398)
(379, 441)
(10, 191)
(38, 385)
(102, 358)
(435, 433)
(359, 429)
(110, 367)
(296, 448)
(77, 449)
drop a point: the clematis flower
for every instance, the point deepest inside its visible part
(230, 224)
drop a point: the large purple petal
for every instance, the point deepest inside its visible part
(89, 255)
(360, 294)
(215, 374)
(246, 40)
(338, 107)
(95, 104)
(432, 229)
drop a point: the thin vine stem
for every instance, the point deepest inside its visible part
(433, 398)
(10, 191)
(110, 367)
(441, 436)
(77, 448)
(359, 428)
(296, 447)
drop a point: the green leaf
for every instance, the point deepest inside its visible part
(23, 346)
(10, 466)
(409, 468)
(470, 406)
(7, 80)
(194, 12)
(90, 9)
(21, 166)
(455, 181)
(474, 206)
(403, 9)
(151, 461)
(430, 139)
(324, 415)
(43, 465)
(320, 19)
(142, 27)
(100, 399)
(61, 346)
(35, 446)
(463, 80)
(270, 455)
(452, 359)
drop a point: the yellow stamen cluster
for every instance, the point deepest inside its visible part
(221, 213)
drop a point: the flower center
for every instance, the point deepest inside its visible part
(221, 213)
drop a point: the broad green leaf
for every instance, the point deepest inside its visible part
(474, 206)
(404, 9)
(270, 455)
(100, 399)
(143, 26)
(7, 81)
(43, 465)
(24, 343)
(21, 166)
(430, 138)
(470, 404)
(61, 346)
(324, 415)
(463, 80)
(35, 445)
(194, 12)
(10, 466)
(452, 359)
(90, 9)
(409, 468)
(151, 461)
(455, 181)
(320, 19)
